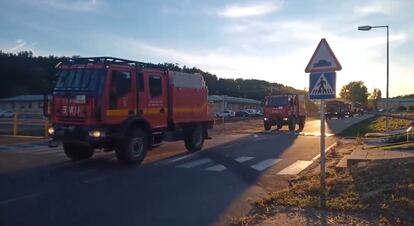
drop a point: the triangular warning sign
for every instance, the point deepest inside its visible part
(323, 59)
(322, 87)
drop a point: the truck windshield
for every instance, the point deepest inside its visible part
(80, 79)
(277, 101)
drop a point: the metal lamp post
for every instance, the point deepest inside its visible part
(367, 28)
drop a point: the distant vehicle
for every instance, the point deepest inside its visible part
(252, 112)
(349, 110)
(335, 108)
(6, 114)
(125, 106)
(381, 110)
(242, 114)
(259, 113)
(285, 109)
(226, 113)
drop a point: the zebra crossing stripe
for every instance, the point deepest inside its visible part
(195, 163)
(243, 159)
(265, 164)
(216, 168)
(295, 168)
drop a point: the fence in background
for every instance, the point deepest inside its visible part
(26, 124)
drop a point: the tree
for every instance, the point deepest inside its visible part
(356, 92)
(374, 97)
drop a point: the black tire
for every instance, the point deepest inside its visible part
(133, 148)
(301, 124)
(267, 126)
(194, 138)
(292, 125)
(76, 152)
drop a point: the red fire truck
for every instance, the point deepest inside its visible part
(285, 109)
(126, 106)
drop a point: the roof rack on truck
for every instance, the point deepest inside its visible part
(111, 60)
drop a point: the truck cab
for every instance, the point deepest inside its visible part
(287, 109)
(123, 105)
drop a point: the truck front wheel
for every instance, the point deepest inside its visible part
(76, 153)
(292, 125)
(267, 126)
(134, 148)
(194, 138)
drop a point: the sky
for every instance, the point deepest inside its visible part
(267, 40)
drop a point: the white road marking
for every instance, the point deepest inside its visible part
(295, 168)
(217, 168)
(18, 198)
(265, 164)
(195, 163)
(326, 150)
(168, 161)
(243, 159)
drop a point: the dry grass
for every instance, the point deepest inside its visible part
(385, 190)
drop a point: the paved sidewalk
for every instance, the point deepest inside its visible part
(362, 155)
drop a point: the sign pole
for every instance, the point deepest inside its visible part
(322, 85)
(323, 157)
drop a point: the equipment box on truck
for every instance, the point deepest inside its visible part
(285, 109)
(126, 106)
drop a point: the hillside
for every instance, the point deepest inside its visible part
(23, 73)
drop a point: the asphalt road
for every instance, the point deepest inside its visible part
(40, 187)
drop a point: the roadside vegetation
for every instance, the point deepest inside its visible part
(374, 125)
(376, 193)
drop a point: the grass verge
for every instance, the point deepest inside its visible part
(384, 192)
(374, 125)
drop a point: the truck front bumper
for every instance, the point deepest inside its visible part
(276, 121)
(83, 136)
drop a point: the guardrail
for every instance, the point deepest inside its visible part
(33, 124)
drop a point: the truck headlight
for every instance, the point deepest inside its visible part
(96, 133)
(285, 119)
(265, 119)
(51, 131)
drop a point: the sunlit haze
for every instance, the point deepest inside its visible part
(268, 40)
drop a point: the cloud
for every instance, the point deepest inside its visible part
(70, 5)
(19, 45)
(375, 7)
(238, 11)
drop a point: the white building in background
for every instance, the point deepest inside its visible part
(24, 103)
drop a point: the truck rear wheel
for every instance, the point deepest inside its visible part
(133, 148)
(292, 125)
(76, 152)
(194, 138)
(301, 124)
(267, 126)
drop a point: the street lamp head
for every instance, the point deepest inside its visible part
(364, 28)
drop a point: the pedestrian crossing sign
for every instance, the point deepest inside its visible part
(322, 85)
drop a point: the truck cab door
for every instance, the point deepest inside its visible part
(120, 101)
(156, 109)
